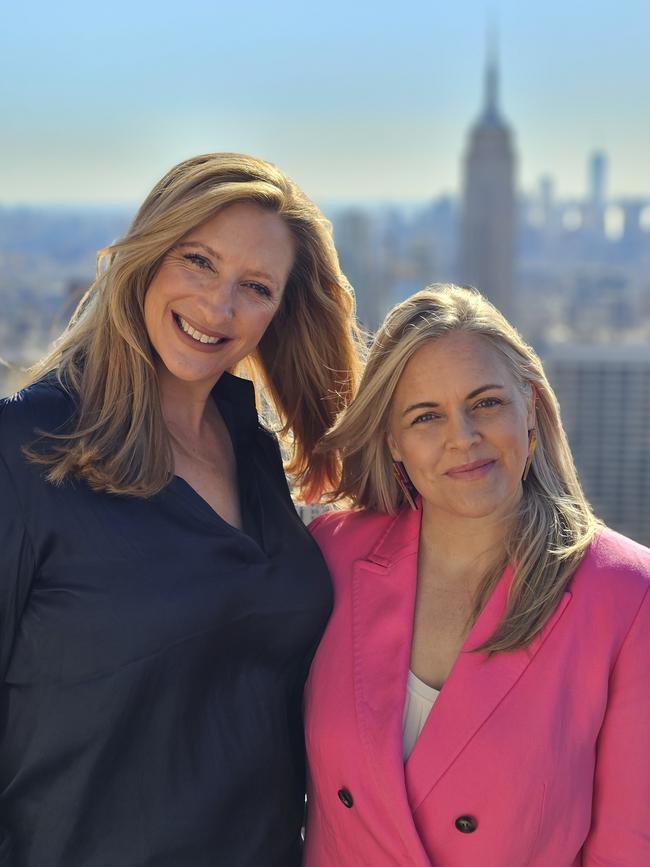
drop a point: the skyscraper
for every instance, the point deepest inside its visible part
(488, 222)
(594, 209)
(597, 177)
(604, 394)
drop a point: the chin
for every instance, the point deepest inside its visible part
(188, 373)
(501, 509)
(477, 508)
(473, 512)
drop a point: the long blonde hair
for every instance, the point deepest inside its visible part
(306, 365)
(555, 523)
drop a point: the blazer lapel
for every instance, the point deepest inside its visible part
(383, 588)
(474, 688)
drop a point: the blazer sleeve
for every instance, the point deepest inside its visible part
(16, 564)
(620, 830)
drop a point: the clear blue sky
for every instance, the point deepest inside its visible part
(356, 100)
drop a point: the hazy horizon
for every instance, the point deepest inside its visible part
(358, 103)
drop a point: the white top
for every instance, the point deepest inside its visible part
(420, 698)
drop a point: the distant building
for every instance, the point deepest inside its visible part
(593, 220)
(360, 254)
(309, 511)
(598, 178)
(488, 221)
(604, 394)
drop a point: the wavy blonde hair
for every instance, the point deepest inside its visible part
(306, 366)
(554, 524)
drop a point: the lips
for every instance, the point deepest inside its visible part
(473, 470)
(196, 335)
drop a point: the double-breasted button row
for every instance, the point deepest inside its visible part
(466, 824)
(345, 798)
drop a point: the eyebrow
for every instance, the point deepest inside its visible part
(254, 272)
(430, 404)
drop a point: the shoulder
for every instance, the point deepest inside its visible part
(614, 559)
(613, 578)
(356, 530)
(43, 407)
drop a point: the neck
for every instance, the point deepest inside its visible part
(462, 545)
(185, 405)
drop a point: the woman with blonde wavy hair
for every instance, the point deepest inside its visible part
(160, 599)
(481, 696)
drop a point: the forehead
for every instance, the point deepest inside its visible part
(453, 365)
(247, 229)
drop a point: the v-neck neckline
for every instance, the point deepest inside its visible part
(203, 510)
(199, 505)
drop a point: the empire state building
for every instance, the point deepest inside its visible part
(488, 223)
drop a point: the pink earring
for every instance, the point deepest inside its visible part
(532, 445)
(406, 485)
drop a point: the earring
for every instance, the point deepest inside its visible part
(532, 445)
(405, 484)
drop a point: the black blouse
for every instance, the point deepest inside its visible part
(152, 660)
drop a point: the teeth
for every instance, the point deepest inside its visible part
(197, 335)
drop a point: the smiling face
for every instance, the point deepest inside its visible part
(459, 422)
(216, 292)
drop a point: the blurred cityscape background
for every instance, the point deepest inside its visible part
(570, 269)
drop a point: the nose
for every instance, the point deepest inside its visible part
(219, 302)
(461, 432)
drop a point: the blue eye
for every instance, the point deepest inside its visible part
(427, 416)
(198, 260)
(489, 402)
(261, 289)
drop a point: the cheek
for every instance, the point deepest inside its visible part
(515, 446)
(154, 310)
(167, 284)
(420, 451)
(258, 320)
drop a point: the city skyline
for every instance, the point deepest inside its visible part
(568, 270)
(355, 102)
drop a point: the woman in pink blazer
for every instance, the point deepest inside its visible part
(481, 697)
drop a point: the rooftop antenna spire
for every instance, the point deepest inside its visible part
(491, 108)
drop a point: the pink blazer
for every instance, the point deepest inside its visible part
(533, 758)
